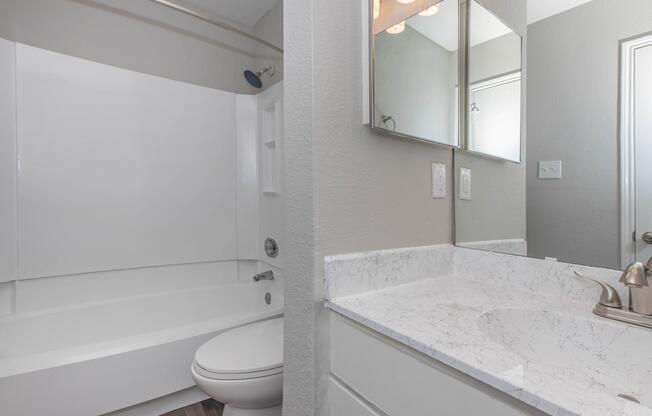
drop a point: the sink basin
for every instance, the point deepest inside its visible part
(585, 349)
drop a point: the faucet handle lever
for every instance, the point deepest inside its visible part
(609, 296)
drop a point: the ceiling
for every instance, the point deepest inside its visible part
(441, 28)
(244, 12)
(540, 9)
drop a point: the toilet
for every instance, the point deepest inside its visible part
(243, 368)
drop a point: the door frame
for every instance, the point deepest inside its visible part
(628, 238)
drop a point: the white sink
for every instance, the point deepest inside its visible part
(618, 356)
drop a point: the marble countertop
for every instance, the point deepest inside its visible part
(523, 326)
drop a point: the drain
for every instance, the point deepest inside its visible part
(628, 397)
(268, 298)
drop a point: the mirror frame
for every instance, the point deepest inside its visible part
(462, 100)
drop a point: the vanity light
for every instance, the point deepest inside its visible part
(397, 28)
(430, 11)
(376, 9)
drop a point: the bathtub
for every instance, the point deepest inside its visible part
(96, 358)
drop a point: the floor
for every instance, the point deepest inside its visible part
(206, 408)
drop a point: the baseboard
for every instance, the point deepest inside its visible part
(163, 404)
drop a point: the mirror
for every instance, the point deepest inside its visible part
(582, 193)
(494, 109)
(414, 69)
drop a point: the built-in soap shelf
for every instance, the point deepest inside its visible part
(270, 132)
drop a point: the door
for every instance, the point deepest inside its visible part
(643, 150)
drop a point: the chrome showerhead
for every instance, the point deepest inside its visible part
(253, 78)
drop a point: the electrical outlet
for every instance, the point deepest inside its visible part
(438, 180)
(465, 184)
(550, 169)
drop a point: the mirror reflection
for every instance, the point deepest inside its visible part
(494, 110)
(583, 194)
(415, 69)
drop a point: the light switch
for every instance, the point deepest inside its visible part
(465, 184)
(550, 169)
(438, 180)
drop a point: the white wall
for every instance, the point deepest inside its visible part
(8, 247)
(573, 117)
(130, 184)
(141, 36)
(347, 188)
(120, 169)
(270, 28)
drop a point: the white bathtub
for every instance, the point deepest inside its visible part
(97, 358)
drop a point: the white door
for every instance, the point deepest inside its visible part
(643, 150)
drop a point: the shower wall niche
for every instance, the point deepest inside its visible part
(271, 113)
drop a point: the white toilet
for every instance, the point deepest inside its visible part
(243, 368)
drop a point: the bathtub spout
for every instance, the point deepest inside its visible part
(268, 275)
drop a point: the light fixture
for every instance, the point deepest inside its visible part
(376, 9)
(397, 28)
(406, 1)
(430, 11)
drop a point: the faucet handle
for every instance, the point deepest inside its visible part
(609, 296)
(635, 275)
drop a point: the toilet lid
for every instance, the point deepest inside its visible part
(250, 348)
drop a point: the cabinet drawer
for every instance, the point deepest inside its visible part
(343, 402)
(402, 382)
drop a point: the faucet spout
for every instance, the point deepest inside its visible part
(268, 275)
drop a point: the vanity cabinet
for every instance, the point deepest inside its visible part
(372, 375)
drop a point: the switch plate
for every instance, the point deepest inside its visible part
(550, 169)
(438, 180)
(465, 184)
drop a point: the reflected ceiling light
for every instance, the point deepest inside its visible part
(430, 11)
(406, 1)
(376, 9)
(397, 28)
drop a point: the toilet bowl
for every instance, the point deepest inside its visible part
(243, 368)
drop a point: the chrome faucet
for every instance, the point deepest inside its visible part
(637, 278)
(268, 275)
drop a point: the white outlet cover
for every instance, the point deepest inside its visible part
(465, 184)
(549, 169)
(438, 180)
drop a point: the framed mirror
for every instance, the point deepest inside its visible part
(582, 193)
(494, 94)
(414, 81)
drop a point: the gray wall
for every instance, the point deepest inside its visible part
(414, 84)
(347, 188)
(497, 209)
(137, 35)
(270, 28)
(573, 102)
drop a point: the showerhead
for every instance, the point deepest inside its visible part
(253, 78)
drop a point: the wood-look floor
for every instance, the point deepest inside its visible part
(206, 408)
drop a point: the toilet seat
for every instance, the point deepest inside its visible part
(234, 376)
(247, 352)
